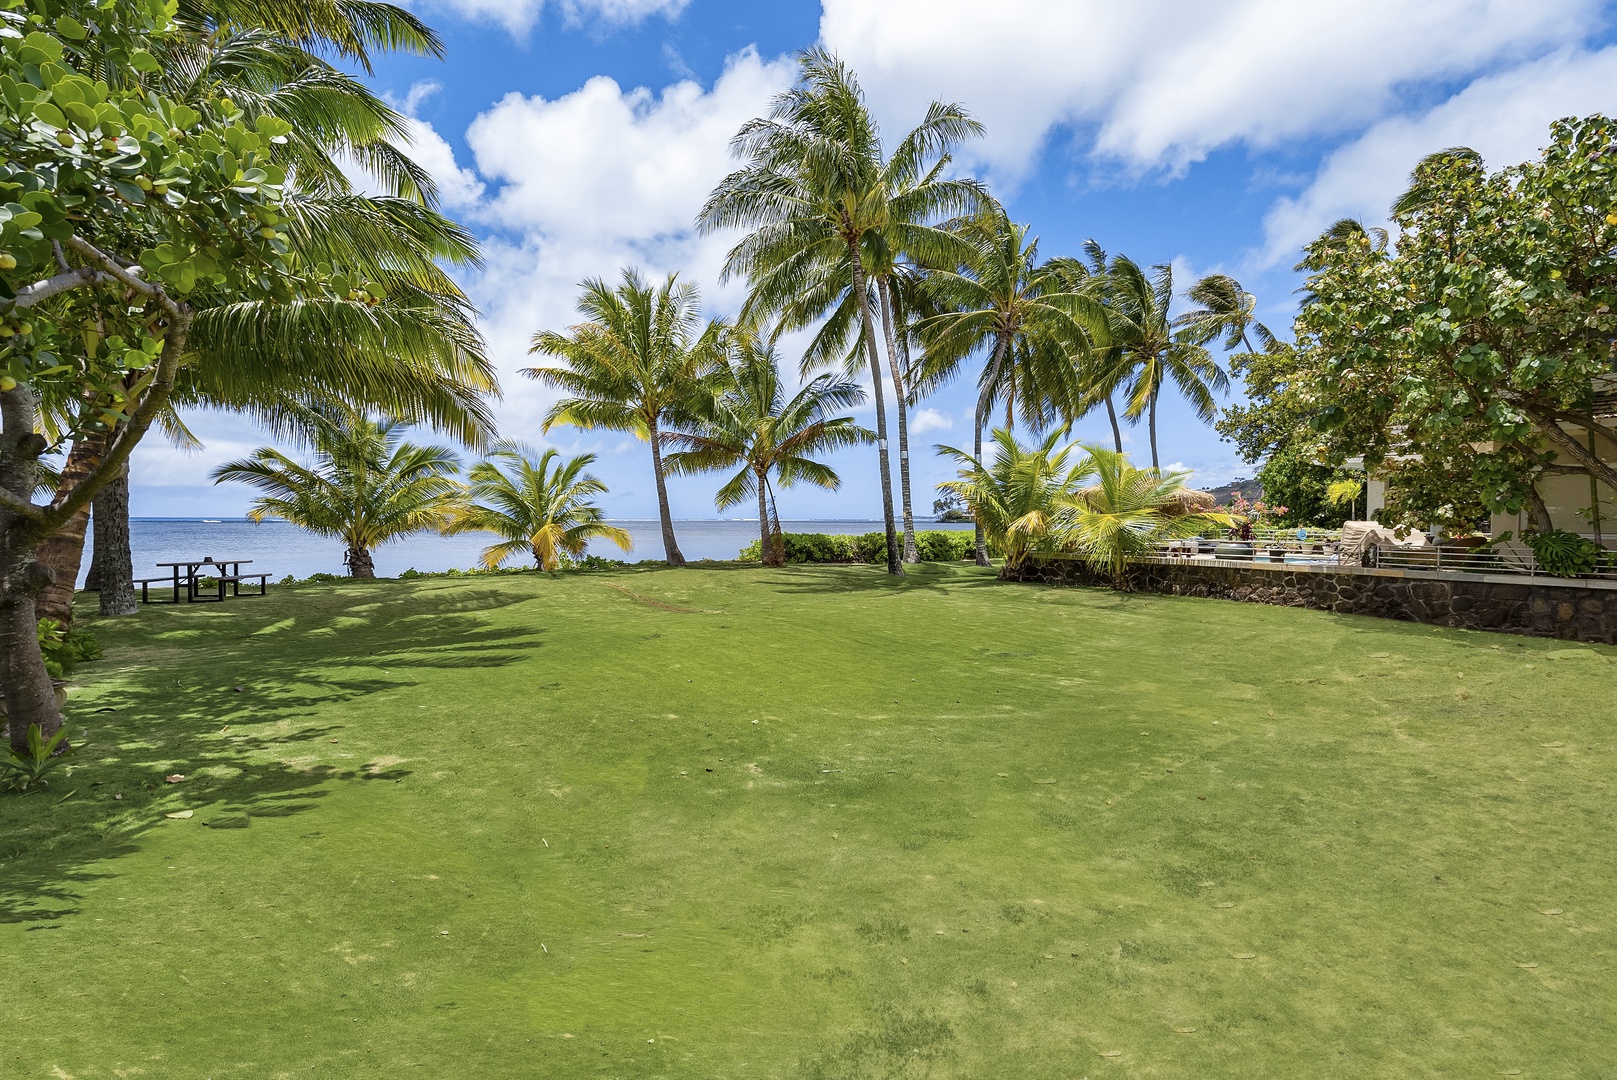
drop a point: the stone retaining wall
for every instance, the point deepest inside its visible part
(1540, 607)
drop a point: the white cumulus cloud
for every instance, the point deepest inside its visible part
(1163, 83)
(924, 420)
(1504, 117)
(518, 16)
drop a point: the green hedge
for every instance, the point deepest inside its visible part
(935, 545)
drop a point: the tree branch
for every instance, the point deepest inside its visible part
(40, 291)
(1548, 423)
(123, 443)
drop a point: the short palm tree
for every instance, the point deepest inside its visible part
(1029, 319)
(750, 425)
(542, 507)
(1127, 512)
(640, 353)
(366, 486)
(1021, 497)
(1149, 352)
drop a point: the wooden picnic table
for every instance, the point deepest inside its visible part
(189, 572)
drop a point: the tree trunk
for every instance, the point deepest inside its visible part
(112, 555)
(1152, 410)
(1538, 514)
(671, 550)
(1117, 432)
(981, 546)
(868, 326)
(92, 576)
(768, 552)
(30, 698)
(62, 553)
(359, 563)
(911, 553)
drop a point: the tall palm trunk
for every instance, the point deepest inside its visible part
(978, 420)
(112, 561)
(671, 550)
(62, 553)
(868, 325)
(1117, 432)
(911, 553)
(1152, 412)
(770, 551)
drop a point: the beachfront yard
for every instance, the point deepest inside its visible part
(812, 822)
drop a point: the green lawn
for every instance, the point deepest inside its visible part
(809, 823)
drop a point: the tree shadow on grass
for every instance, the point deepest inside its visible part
(236, 709)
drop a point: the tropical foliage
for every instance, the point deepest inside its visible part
(365, 487)
(749, 424)
(635, 364)
(1127, 513)
(830, 215)
(1465, 361)
(1021, 498)
(542, 507)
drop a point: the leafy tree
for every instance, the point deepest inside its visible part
(366, 487)
(1020, 497)
(1469, 359)
(826, 210)
(1127, 512)
(542, 507)
(1148, 352)
(1274, 428)
(414, 353)
(1032, 321)
(196, 195)
(633, 365)
(752, 426)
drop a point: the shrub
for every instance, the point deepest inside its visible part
(22, 771)
(937, 545)
(63, 648)
(1564, 554)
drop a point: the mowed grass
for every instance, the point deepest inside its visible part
(812, 823)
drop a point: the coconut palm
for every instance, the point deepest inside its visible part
(542, 507)
(1223, 309)
(820, 199)
(366, 485)
(1126, 513)
(640, 354)
(1149, 353)
(750, 424)
(1018, 497)
(1033, 321)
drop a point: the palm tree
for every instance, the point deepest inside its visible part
(1020, 496)
(819, 199)
(367, 486)
(542, 507)
(750, 425)
(1150, 353)
(1128, 512)
(640, 354)
(1033, 320)
(1223, 308)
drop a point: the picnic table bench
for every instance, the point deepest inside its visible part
(188, 575)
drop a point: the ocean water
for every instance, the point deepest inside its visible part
(280, 548)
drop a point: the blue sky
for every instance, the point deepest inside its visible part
(578, 136)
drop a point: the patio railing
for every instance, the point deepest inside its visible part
(1323, 548)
